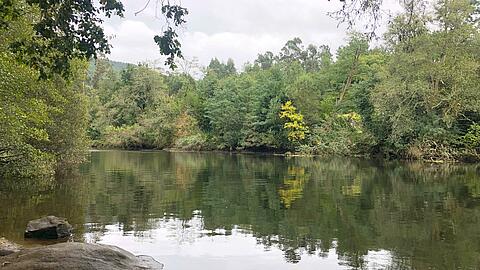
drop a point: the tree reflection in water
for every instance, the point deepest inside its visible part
(423, 216)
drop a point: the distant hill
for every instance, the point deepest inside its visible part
(116, 65)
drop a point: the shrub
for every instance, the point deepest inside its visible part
(193, 142)
(126, 137)
(472, 138)
(342, 134)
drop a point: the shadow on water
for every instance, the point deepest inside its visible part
(421, 216)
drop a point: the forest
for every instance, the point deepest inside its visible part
(414, 96)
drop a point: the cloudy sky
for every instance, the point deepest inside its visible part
(237, 29)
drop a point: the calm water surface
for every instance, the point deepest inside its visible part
(220, 211)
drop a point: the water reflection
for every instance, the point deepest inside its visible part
(244, 212)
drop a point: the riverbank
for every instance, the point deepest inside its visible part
(466, 158)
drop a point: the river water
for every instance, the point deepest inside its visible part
(231, 211)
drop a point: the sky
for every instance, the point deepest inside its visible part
(237, 29)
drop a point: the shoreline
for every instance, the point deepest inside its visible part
(287, 155)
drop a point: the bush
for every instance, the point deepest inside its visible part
(126, 137)
(342, 134)
(24, 117)
(472, 138)
(431, 150)
(195, 142)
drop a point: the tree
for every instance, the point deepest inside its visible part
(431, 83)
(348, 61)
(65, 30)
(266, 60)
(42, 122)
(368, 13)
(139, 87)
(307, 93)
(221, 70)
(294, 122)
(414, 97)
(24, 117)
(226, 111)
(68, 119)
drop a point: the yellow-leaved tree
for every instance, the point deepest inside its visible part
(297, 129)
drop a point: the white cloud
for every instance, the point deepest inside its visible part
(244, 48)
(227, 28)
(132, 41)
(238, 46)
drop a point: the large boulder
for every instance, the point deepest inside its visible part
(49, 227)
(7, 247)
(79, 256)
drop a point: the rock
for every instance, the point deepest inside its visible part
(49, 227)
(7, 247)
(79, 256)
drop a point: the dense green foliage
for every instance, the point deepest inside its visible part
(44, 48)
(42, 121)
(415, 97)
(66, 30)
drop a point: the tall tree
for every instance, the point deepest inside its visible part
(68, 29)
(431, 81)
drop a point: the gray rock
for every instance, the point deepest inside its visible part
(49, 227)
(79, 256)
(7, 247)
